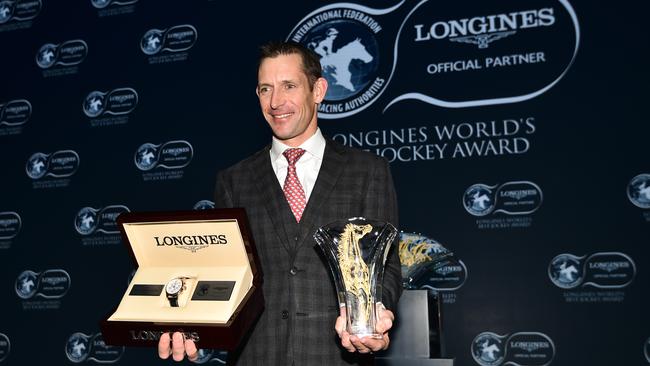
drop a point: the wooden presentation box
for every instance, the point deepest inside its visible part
(213, 253)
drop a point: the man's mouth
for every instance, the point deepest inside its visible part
(281, 116)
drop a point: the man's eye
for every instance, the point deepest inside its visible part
(264, 90)
(290, 86)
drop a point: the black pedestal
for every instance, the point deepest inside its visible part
(416, 337)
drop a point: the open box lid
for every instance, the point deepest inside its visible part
(215, 237)
(192, 241)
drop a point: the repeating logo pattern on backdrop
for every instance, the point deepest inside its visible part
(638, 192)
(107, 8)
(117, 102)
(521, 349)
(5, 347)
(13, 115)
(518, 198)
(66, 55)
(17, 14)
(58, 165)
(171, 156)
(168, 45)
(608, 272)
(422, 270)
(204, 205)
(211, 356)
(98, 226)
(82, 347)
(42, 290)
(10, 224)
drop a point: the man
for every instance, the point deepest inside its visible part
(335, 182)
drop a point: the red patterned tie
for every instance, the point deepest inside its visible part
(292, 189)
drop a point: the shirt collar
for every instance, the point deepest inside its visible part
(315, 145)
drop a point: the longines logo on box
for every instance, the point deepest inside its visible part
(117, 103)
(17, 14)
(65, 55)
(521, 348)
(10, 224)
(91, 348)
(5, 347)
(518, 198)
(192, 243)
(170, 157)
(59, 165)
(13, 115)
(98, 226)
(607, 272)
(49, 285)
(168, 45)
(154, 335)
(106, 8)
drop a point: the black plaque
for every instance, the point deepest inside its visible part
(213, 290)
(146, 290)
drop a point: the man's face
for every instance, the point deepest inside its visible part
(288, 103)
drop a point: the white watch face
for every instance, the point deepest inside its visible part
(174, 286)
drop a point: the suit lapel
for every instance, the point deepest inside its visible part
(273, 197)
(329, 173)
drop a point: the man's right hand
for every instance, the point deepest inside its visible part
(177, 347)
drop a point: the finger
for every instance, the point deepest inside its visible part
(345, 342)
(339, 326)
(372, 343)
(385, 322)
(358, 344)
(191, 350)
(384, 325)
(375, 344)
(164, 347)
(178, 346)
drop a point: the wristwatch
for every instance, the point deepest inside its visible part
(173, 289)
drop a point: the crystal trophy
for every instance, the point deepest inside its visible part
(356, 251)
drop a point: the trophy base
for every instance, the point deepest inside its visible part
(369, 335)
(361, 333)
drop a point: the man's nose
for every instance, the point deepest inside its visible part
(276, 99)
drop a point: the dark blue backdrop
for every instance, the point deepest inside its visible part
(516, 131)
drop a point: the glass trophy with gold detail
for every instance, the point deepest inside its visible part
(356, 251)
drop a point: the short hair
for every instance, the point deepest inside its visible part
(310, 60)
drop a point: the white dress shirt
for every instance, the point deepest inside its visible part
(307, 166)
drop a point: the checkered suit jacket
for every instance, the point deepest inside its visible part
(297, 325)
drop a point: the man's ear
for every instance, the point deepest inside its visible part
(320, 89)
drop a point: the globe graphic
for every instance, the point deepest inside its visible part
(349, 56)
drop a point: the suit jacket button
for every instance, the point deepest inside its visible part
(293, 271)
(285, 314)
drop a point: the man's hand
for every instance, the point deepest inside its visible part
(177, 347)
(366, 344)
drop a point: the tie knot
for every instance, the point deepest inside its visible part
(293, 155)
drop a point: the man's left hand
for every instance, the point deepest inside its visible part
(366, 344)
